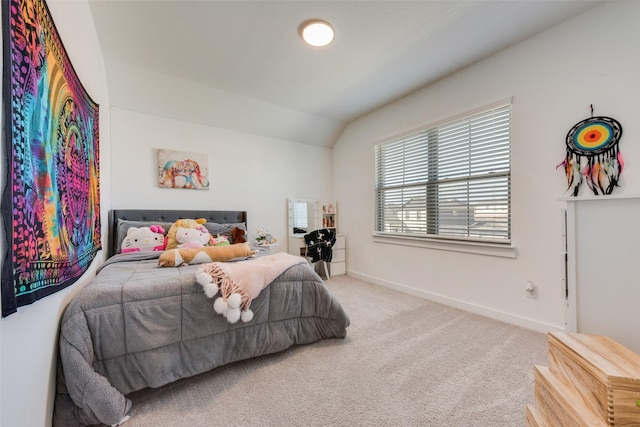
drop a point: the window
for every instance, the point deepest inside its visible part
(450, 181)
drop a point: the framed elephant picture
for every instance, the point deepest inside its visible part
(180, 169)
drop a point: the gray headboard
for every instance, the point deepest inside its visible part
(222, 217)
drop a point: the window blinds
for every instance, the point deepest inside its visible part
(451, 180)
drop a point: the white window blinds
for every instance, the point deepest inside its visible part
(448, 181)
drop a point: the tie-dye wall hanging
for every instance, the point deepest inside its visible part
(51, 201)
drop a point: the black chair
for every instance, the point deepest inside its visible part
(319, 245)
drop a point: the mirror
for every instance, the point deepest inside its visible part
(301, 216)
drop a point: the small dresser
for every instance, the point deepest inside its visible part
(338, 264)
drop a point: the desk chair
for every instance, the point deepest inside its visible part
(318, 247)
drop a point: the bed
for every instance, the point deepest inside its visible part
(138, 325)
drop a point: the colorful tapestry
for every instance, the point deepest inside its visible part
(51, 201)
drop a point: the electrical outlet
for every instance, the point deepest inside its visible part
(530, 290)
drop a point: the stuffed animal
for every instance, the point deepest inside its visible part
(186, 256)
(220, 241)
(141, 239)
(192, 237)
(197, 224)
(238, 235)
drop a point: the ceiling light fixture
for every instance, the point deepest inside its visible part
(316, 33)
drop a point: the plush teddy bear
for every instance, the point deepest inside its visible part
(238, 235)
(141, 239)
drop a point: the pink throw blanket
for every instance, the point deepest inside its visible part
(240, 282)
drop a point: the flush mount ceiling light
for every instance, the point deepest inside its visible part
(316, 33)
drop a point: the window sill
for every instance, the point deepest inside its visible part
(479, 248)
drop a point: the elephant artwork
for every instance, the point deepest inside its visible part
(182, 170)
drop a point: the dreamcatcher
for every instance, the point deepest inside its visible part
(593, 156)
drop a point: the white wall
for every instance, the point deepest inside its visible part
(28, 338)
(246, 172)
(553, 78)
(604, 300)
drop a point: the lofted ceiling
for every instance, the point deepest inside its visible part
(383, 50)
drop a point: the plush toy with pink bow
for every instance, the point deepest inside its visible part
(143, 239)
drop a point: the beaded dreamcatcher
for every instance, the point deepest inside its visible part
(593, 156)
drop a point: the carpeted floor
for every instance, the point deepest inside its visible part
(405, 362)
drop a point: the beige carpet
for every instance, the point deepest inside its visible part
(405, 362)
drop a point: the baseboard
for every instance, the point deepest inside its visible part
(462, 305)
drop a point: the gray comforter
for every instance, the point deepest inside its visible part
(137, 325)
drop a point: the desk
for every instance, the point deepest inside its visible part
(297, 246)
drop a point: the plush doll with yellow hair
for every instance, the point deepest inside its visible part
(188, 233)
